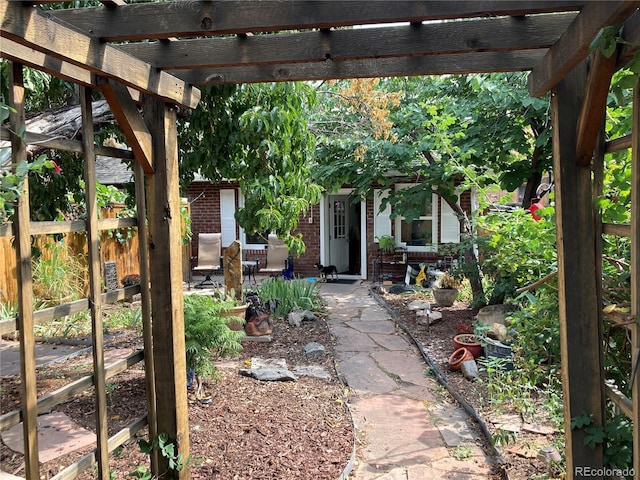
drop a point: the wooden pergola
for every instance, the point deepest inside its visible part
(156, 55)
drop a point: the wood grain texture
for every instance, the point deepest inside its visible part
(573, 46)
(29, 27)
(371, 68)
(24, 272)
(130, 122)
(205, 18)
(495, 34)
(165, 260)
(580, 329)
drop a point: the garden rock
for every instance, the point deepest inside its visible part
(272, 370)
(296, 317)
(399, 288)
(315, 371)
(314, 348)
(493, 314)
(308, 316)
(419, 305)
(469, 369)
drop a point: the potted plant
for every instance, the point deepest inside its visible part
(387, 246)
(235, 307)
(207, 336)
(446, 288)
(469, 341)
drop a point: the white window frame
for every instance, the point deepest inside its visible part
(434, 217)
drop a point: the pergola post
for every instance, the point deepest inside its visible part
(165, 259)
(580, 328)
(25, 321)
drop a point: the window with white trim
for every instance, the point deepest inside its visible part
(420, 234)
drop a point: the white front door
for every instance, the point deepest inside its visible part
(339, 232)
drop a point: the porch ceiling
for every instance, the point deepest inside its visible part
(168, 49)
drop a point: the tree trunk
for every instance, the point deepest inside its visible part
(471, 269)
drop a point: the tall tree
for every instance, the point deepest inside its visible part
(447, 133)
(256, 134)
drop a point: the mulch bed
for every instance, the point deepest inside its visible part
(264, 430)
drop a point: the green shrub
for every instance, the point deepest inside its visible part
(289, 295)
(207, 335)
(58, 274)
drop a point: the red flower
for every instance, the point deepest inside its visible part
(56, 168)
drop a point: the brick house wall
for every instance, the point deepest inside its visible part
(204, 199)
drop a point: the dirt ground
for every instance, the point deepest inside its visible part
(261, 430)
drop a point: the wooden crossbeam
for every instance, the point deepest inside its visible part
(573, 46)
(485, 35)
(29, 27)
(205, 18)
(376, 67)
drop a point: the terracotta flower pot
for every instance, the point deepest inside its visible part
(470, 342)
(458, 357)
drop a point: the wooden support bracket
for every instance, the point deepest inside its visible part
(130, 121)
(594, 105)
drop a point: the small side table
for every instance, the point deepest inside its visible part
(249, 269)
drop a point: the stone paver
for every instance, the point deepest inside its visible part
(406, 431)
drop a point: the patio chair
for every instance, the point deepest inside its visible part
(209, 260)
(277, 257)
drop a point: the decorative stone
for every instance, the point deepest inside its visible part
(233, 269)
(315, 371)
(469, 369)
(419, 305)
(295, 318)
(269, 370)
(493, 314)
(314, 348)
(308, 316)
(269, 374)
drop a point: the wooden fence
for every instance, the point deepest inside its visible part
(122, 251)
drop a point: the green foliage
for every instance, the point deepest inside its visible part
(11, 180)
(258, 135)
(616, 438)
(58, 274)
(166, 448)
(516, 250)
(289, 295)
(207, 335)
(386, 243)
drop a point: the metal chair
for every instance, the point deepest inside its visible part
(277, 257)
(209, 260)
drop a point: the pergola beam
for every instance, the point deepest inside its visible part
(371, 68)
(485, 35)
(142, 21)
(28, 26)
(573, 46)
